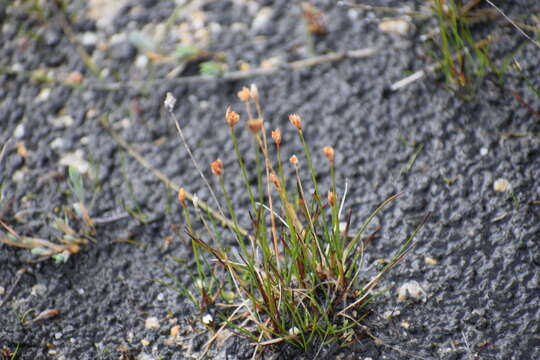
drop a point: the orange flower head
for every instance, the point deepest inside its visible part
(231, 117)
(276, 136)
(329, 153)
(182, 197)
(331, 198)
(217, 167)
(275, 180)
(255, 125)
(296, 121)
(293, 160)
(244, 94)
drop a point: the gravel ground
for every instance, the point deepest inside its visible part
(477, 259)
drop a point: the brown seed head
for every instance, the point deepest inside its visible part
(293, 160)
(331, 198)
(244, 94)
(276, 136)
(275, 180)
(329, 153)
(217, 167)
(255, 125)
(231, 117)
(182, 197)
(296, 121)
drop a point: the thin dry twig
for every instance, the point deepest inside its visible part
(513, 24)
(188, 150)
(3, 151)
(139, 85)
(66, 28)
(235, 75)
(9, 293)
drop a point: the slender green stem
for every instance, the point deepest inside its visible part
(316, 187)
(243, 169)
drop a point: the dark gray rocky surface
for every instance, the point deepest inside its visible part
(482, 290)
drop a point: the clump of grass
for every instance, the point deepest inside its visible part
(297, 275)
(464, 60)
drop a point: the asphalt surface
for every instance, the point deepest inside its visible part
(477, 259)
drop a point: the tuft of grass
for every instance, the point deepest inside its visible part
(297, 275)
(464, 61)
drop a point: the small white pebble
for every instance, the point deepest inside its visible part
(75, 159)
(58, 143)
(411, 289)
(141, 61)
(483, 151)
(18, 175)
(19, 131)
(124, 123)
(207, 319)
(58, 335)
(405, 324)
(80, 291)
(151, 323)
(38, 290)
(145, 356)
(501, 185)
(395, 26)
(352, 14)
(43, 95)
(430, 260)
(89, 38)
(204, 105)
(118, 38)
(91, 113)
(145, 342)
(237, 27)
(262, 18)
(63, 121)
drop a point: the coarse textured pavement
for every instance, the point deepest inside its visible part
(477, 258)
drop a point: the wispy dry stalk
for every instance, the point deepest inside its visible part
(536, 43)
(165, 179)
(170, 107)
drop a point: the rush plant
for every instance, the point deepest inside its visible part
(464, 60)
(297, 274)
